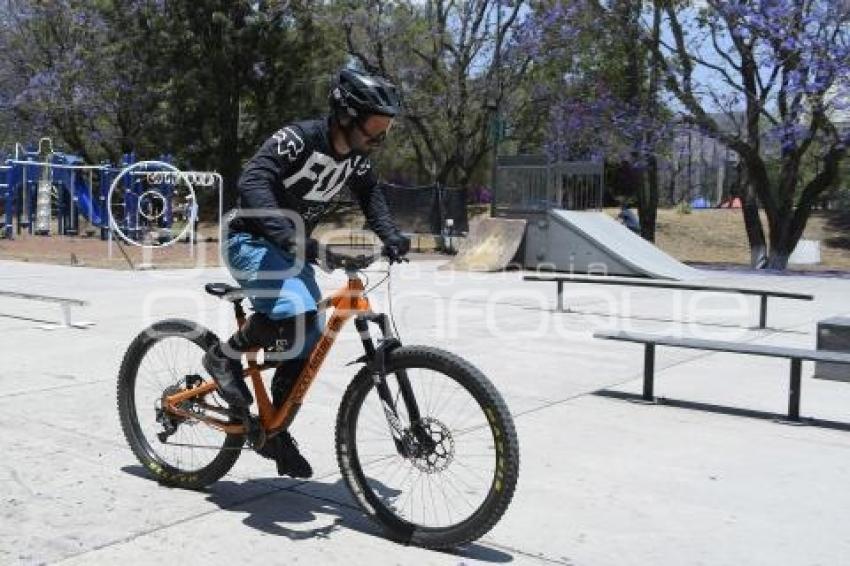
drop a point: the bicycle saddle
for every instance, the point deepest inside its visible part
(225, 291)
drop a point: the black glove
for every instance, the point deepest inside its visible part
(396, 247)
(312, 249)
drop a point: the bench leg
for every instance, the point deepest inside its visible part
(65, 310)
(649, 372)
(763, 312)
(66, 314)
(65, 322)
(794, 389)
(560, 296)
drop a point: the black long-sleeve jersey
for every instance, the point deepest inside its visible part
(297, 169)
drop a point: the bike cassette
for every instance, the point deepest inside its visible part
(170, 421)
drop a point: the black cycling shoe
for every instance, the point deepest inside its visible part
(284, 451)
(227, 374)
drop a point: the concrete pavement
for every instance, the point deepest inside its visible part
(713, 480)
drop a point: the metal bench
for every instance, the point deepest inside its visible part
(676, 285)
(796, 355)
(65, 305)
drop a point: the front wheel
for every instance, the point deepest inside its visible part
(454, 471)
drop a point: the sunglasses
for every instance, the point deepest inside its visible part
(373, 139)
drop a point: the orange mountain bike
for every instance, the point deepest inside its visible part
(423, 439)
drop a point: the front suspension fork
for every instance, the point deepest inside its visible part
(375, 359)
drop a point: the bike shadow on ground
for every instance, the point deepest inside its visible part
(311, 510)
(301, 510)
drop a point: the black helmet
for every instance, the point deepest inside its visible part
(357, 94)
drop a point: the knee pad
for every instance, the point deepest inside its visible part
(297, 336)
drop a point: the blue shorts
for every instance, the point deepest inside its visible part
(278, 286)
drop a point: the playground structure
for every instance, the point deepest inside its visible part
(45, 192)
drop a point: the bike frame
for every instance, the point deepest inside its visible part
(348, 302)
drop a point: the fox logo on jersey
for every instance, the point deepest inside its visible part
(365, 165)
(288, 143)
(327, 175)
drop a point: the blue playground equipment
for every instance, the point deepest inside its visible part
(5, 200)
(38, 186)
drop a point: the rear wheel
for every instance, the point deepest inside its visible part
(166, 359)
(457, 471)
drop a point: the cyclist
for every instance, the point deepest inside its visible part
(283, 192)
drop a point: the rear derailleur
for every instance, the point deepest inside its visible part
(169, 421)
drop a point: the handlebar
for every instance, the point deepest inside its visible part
(332, 260)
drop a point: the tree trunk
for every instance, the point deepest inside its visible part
(649, 206)
(228, 150)
(796, 218)
(755, 233)
(232, 86)
(780, 252)
(752, 220)
(785, 233)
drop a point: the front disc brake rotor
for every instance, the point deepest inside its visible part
(433, 447)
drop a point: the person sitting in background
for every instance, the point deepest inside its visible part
(628, 218)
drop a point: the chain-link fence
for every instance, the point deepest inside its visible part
(425, 210)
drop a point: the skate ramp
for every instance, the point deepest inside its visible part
(490, 245)
(593, 242)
